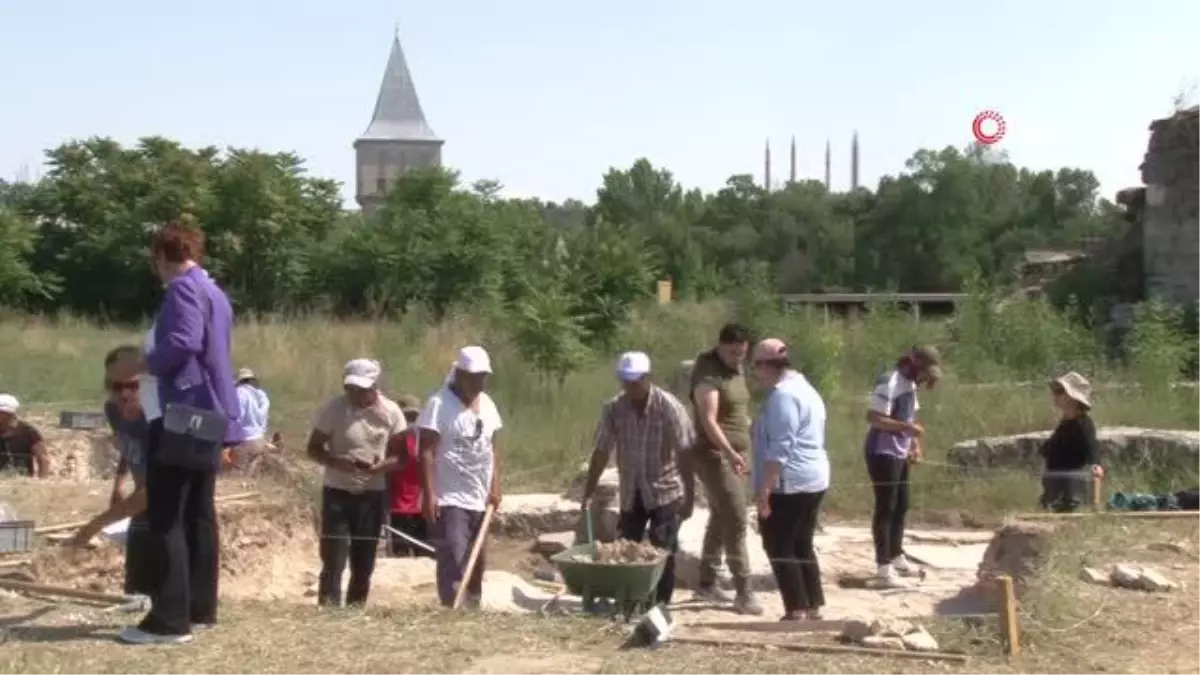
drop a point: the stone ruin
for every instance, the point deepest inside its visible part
(1118, 445)
(1170, 224)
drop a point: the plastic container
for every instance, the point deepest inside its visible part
(85, 421)
(16, 536)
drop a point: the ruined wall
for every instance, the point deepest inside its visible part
(1171, 227)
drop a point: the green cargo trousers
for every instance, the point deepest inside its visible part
(726, 531)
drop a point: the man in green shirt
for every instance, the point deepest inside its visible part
(722, 412)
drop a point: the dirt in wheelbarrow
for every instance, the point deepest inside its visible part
(625, 552)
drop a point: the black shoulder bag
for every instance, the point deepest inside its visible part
(192, 438)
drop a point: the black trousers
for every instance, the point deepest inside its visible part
(182, 541)
(1065, 491)
(889, 478)
(787, 536)
(664, 525)
(415, 526)
(350, 526)
(140, 562)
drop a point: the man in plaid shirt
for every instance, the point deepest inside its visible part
(652, 434)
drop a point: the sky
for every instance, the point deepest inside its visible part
(545, 96)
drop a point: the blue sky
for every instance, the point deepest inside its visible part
(545, 96)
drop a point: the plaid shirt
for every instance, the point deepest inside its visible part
(648, 444)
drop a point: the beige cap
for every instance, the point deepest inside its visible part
(246, 374)
(930, 359)
(409, 403)
(362, 373)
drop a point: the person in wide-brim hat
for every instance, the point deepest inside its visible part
(1071, 451)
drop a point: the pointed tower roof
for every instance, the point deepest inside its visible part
(398, 115)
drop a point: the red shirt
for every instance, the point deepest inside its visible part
(404, 485)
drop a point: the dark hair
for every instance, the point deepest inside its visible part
(178, 243)
(733, 334)
(781, 363)
(122, 352)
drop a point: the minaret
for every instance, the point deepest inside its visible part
(854, 162)
(792, 173)
(828, 167)
(767, 167)
(398, 137)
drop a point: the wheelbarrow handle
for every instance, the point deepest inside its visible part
(587, 524)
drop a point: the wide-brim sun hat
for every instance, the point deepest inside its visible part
(1076, 387)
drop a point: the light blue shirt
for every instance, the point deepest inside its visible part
(790, 430)
(253, 409)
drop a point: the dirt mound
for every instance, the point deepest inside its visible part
(1017, 550)
(266, 547)
(76, 454)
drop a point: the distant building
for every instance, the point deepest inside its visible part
(398, 137)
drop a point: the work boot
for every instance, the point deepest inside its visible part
(710, 592)
(745, 602)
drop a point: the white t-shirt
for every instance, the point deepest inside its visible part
(464, 461)
(148, 384)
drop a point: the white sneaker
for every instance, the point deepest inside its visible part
(886, 577)
(904, 566)
(132, 635)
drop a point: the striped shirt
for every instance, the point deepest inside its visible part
(648, 443)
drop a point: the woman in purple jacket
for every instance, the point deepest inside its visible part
(188, 365)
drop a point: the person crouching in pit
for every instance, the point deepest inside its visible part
(350, 438)
(460, 462)
(1070, 452)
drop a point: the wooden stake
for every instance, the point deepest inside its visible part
(1097, 493)
(1010, 627)
(470, 568)
(67, 527)
(821, 648)
(44, 589)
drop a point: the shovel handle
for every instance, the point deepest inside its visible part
(587, 524)
(470, 568)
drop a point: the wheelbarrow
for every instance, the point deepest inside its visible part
(631, 586)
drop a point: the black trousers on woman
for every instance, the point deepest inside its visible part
(889, 477)
(182, 520)
(787, 536)
(350, 526)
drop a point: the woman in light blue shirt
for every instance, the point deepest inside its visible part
(790, 475)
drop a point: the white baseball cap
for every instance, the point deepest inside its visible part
(473, 359)
(633, 366)
(361, 373)
(9, 403)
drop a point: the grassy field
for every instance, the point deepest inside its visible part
(56, 364)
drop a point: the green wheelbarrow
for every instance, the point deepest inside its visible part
(632, 586)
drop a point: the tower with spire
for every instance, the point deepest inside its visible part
(767, 167)
(854, 162)
(792, 172)
(828, 167)
(398, 137)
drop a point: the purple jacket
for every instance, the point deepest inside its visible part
(191, 369)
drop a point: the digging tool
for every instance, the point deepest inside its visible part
(45, 589)
(470, 568)
(67, 527)
(412, 540)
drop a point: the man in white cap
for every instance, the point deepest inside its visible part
(653, 436)
(460, 461)
(254, 409)
(350, 439)
(21, 446)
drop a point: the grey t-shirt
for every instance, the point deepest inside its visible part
(131, 440)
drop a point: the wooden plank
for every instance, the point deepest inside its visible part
(66, 527)
(1010, 629)
(1110, 514)
(806, 626)
(14, 563)
(45, 589)
(822, 648)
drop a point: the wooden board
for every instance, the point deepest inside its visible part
(821, 626)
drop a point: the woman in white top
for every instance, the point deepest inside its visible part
(461, 469)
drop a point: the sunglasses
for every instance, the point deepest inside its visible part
(120, 387)
(478, 430)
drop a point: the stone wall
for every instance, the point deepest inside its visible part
(1171, 239)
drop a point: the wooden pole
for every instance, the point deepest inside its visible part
(470, 568)
(66, 527)
(44, 589)
(1108, 514)
(1097, 493)
(1010, 628)
(818, 648)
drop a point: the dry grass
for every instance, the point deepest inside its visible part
(1067, 627)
